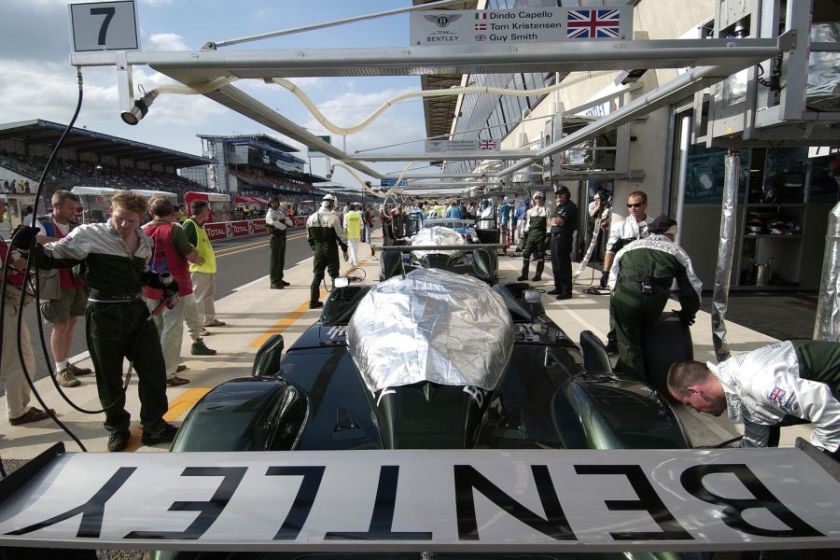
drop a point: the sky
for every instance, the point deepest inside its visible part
(38, 82)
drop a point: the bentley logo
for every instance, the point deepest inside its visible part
(442, 20)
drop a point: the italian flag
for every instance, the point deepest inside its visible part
(481, 15)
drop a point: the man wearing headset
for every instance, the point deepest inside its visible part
(324, 233)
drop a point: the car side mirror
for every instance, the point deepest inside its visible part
(596, 360)
(267, 360)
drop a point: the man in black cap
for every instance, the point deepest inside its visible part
(277, 223)
(640, 280)
(563, 225)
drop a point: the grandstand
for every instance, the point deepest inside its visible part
(88, 158)
(254, 165)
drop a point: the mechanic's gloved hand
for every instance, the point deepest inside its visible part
(312, 245)
(344, 255)
(23, 237)
(171, 290)
(687, 319)
(605, 276)
(158, 281)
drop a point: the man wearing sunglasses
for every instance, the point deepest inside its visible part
(631, 228)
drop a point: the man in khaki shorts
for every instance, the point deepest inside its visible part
(63, 295)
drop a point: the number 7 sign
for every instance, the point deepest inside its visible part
(104, 26)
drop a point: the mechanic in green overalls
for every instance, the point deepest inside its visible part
(325, 234)
(640, 280)
(536, 226)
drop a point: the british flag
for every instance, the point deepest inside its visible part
(487, 145)
(594, 24)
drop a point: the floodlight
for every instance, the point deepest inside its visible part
(141, 107)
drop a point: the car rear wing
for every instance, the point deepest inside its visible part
(485, 501)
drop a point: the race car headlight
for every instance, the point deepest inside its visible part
(532, 296)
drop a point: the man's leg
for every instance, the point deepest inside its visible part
(108, 331)
(281, 257)
(145, 353)
(333, 265)
(11, 369)
(626, 312)
(556, 244)
(192, 317)
(353, 250)
(170, 325)
(563, 270)
(539, 250)
(199, 282)
(274, 261)
(318, 267)
(204, 288)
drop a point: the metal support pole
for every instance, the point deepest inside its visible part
(682, 170)
(827, 323)
(726, 251)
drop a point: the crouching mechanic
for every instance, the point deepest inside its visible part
(640, 280)
(114, 257)
(325, 234)
(793, 378)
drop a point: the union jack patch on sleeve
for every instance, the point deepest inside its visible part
(777, 395)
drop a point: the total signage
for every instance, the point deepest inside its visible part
(542, 25)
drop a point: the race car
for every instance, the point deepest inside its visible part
(432, 360)
(445, 243)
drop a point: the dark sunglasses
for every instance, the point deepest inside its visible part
(637, 205)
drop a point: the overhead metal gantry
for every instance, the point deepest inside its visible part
(711, 60)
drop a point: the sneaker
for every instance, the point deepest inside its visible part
(66, 379)
(522, 278)
(315, 304)
(180, 368)
(117, 441)
(215, 323)
(536, 278)
(277, 286)
(199, 349)
(78, 370)
(564, 296)
(175, 381)
(284, 283)
(32, 415)
(164, 434)
(553, 292)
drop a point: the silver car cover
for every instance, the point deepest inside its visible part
(438, 235)
(432, 325)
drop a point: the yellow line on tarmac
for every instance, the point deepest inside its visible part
(285, 322)
(179, 406)
(289, 318)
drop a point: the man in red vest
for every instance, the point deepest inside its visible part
(170, 254)
(63, 294)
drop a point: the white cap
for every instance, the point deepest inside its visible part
(328, 197)
(538, 194)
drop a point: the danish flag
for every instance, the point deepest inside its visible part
(594, 24)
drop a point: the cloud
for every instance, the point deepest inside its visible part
(166, 42)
